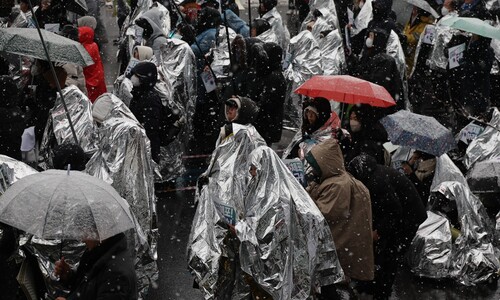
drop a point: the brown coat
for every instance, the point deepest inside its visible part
(345, 203)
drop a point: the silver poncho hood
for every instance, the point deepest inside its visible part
(487, 144)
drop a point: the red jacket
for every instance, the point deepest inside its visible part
(94, 74)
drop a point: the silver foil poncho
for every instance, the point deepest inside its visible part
(473, 258)
(286, 244)
(304, 57)
(332, 53)
(282, 239)
(278, 27)
(487, 144)
(57, 131)
(124, 161)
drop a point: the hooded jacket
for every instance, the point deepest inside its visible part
(13, 122)
(146, 104)
(106, 272)
(158, 37)
(345, 203)
(94, 74)
(397, 208)
(209, 20)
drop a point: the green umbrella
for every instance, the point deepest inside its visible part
(473, 25)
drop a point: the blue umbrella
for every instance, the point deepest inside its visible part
(418, 132)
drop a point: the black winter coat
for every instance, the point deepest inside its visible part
(12, 125)
(397, 209)
(147, 107)
(106, 273)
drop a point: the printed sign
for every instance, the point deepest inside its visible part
(297, 168)
(429, 34)
(456, 55)
(208, 80)
(138, 34)
(132, 63)
(470, 133)
(227, 212)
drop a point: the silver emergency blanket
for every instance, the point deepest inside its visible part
(177, 67)
(474, 258)
(122, 88)
(326, 22)
(221, 62)
(487, 144)
(363, 18)
(12, 170)
(124, 161)
(278, 26)
(220, 202)
(332, 53)
(305, 61)
(326, 7)
(443, 35)
(58, 131)
(430, 253)
(262, 226)
(484, 176)
(21, 21)
(395, 50)
(268, 36)
(301, 251)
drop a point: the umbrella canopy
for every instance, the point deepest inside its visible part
(473, 25)
(422, 4)
(26, 42)
(65, 205)
(346, 89)
(418, 132)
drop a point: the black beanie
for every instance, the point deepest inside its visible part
(147, 73)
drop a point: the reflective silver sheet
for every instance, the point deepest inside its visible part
(12, 170)
(487, 144)
(430, 254)
(332, 54)
(231, 197)
(395, 50)
(304, 56)
(278, 26)
(221, 62)
(443, 35)
(363, 18)
(268, 36)
(124, 161)
(58, 131)
(324, 6)
(302, 247)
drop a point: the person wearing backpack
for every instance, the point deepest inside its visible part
(146, 104)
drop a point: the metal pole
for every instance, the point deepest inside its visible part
(53, 73)
(250, 17)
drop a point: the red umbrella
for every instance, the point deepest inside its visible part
(346, 89)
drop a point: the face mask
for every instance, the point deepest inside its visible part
(355, 126)
(369, 42)
(135, 81)
(444, 11)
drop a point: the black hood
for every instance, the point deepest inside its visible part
(362, 167)
(275, 55)
(147, 73)
(324, 111)
(380, 40)
(381, 9)
(208, 18)
(258, 59)
(8, 92)
(247, 110)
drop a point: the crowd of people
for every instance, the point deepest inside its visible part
(196, 78)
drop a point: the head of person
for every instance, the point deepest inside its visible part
(61, 76)
(87, 21)
(316, 114)
(142, 53)
(69, 154)
(381, 9)
(45, 4)
(241, 110)
(144, 75)
(102, 107)
(259, 26)
(449, 6)
(208, 18)
(376, 40)
(267, 5)
(24, 6)
(70, 32)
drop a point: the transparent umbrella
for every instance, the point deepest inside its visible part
(65, 205)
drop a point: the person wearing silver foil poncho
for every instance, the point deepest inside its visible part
(240, 220)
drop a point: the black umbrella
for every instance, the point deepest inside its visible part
(77, 6)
